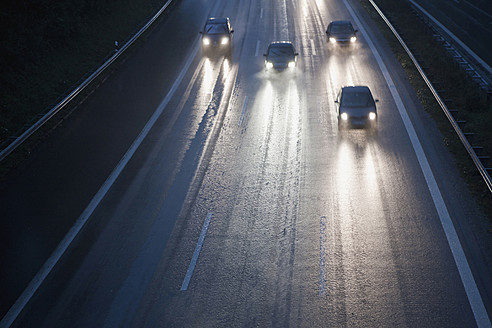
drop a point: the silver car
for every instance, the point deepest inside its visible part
(341, 32)
(281, 55)
(356, 107)
(217, 35)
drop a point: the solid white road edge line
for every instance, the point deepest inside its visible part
(257, 48)
(196, 253)
(33, 286)
(476, 302)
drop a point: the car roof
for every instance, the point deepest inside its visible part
(341, 22)
(217, 20)
(356, 88)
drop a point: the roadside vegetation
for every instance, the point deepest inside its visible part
(459, 89)
(48, 47)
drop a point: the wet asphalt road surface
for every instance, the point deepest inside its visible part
(245, 205)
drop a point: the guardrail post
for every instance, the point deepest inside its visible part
(484, 159)
(461, 124)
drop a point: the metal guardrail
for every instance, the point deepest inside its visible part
(470, 53)
(475, 66)
(482, 170)
(52, 112)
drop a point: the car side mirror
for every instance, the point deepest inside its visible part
(355, 31)
(265, 55)
(376, 100)
(336, 101)
(200, 32)
(232, 31)
(296, 54)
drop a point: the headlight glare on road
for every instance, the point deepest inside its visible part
(224, 41)
(206, 41)
(353, 39)
(268, 65)
(292, 64)
(344, 116)
(333, 40)
(372, 116)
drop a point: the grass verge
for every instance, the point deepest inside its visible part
(48, 48)
(460, 91)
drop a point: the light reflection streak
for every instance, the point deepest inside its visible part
(336, 76)
(370, 175)
(265, 104)
(227, 69)
(365, 240)
(344, 189)
(304, 9)
(292, 124)
(206, 87)
(321, 7)
(339, 77)
(284, 27)
(293, 103)
(345, 172)
(357, 177)
(204, 93)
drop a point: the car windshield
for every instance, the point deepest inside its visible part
(356, 99)
(341, 29)
(216, 29)
(281, 51)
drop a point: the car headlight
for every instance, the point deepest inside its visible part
(333, 40)
(344, 116)
(353, 39)
(372, 116)
(292, 64)
(268, 65)
(224, 41)
(206, 41)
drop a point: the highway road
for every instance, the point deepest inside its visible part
(216, 194)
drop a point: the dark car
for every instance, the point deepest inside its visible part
(217, 35)
(341, 32)
(356, 107)
(280, 55)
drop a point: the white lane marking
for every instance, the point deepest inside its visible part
(261, 13)
(243, 111)
(322, 256)
(33, 286)
(196, 253)
(464, 270)
(313, 49)
(257, 48)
